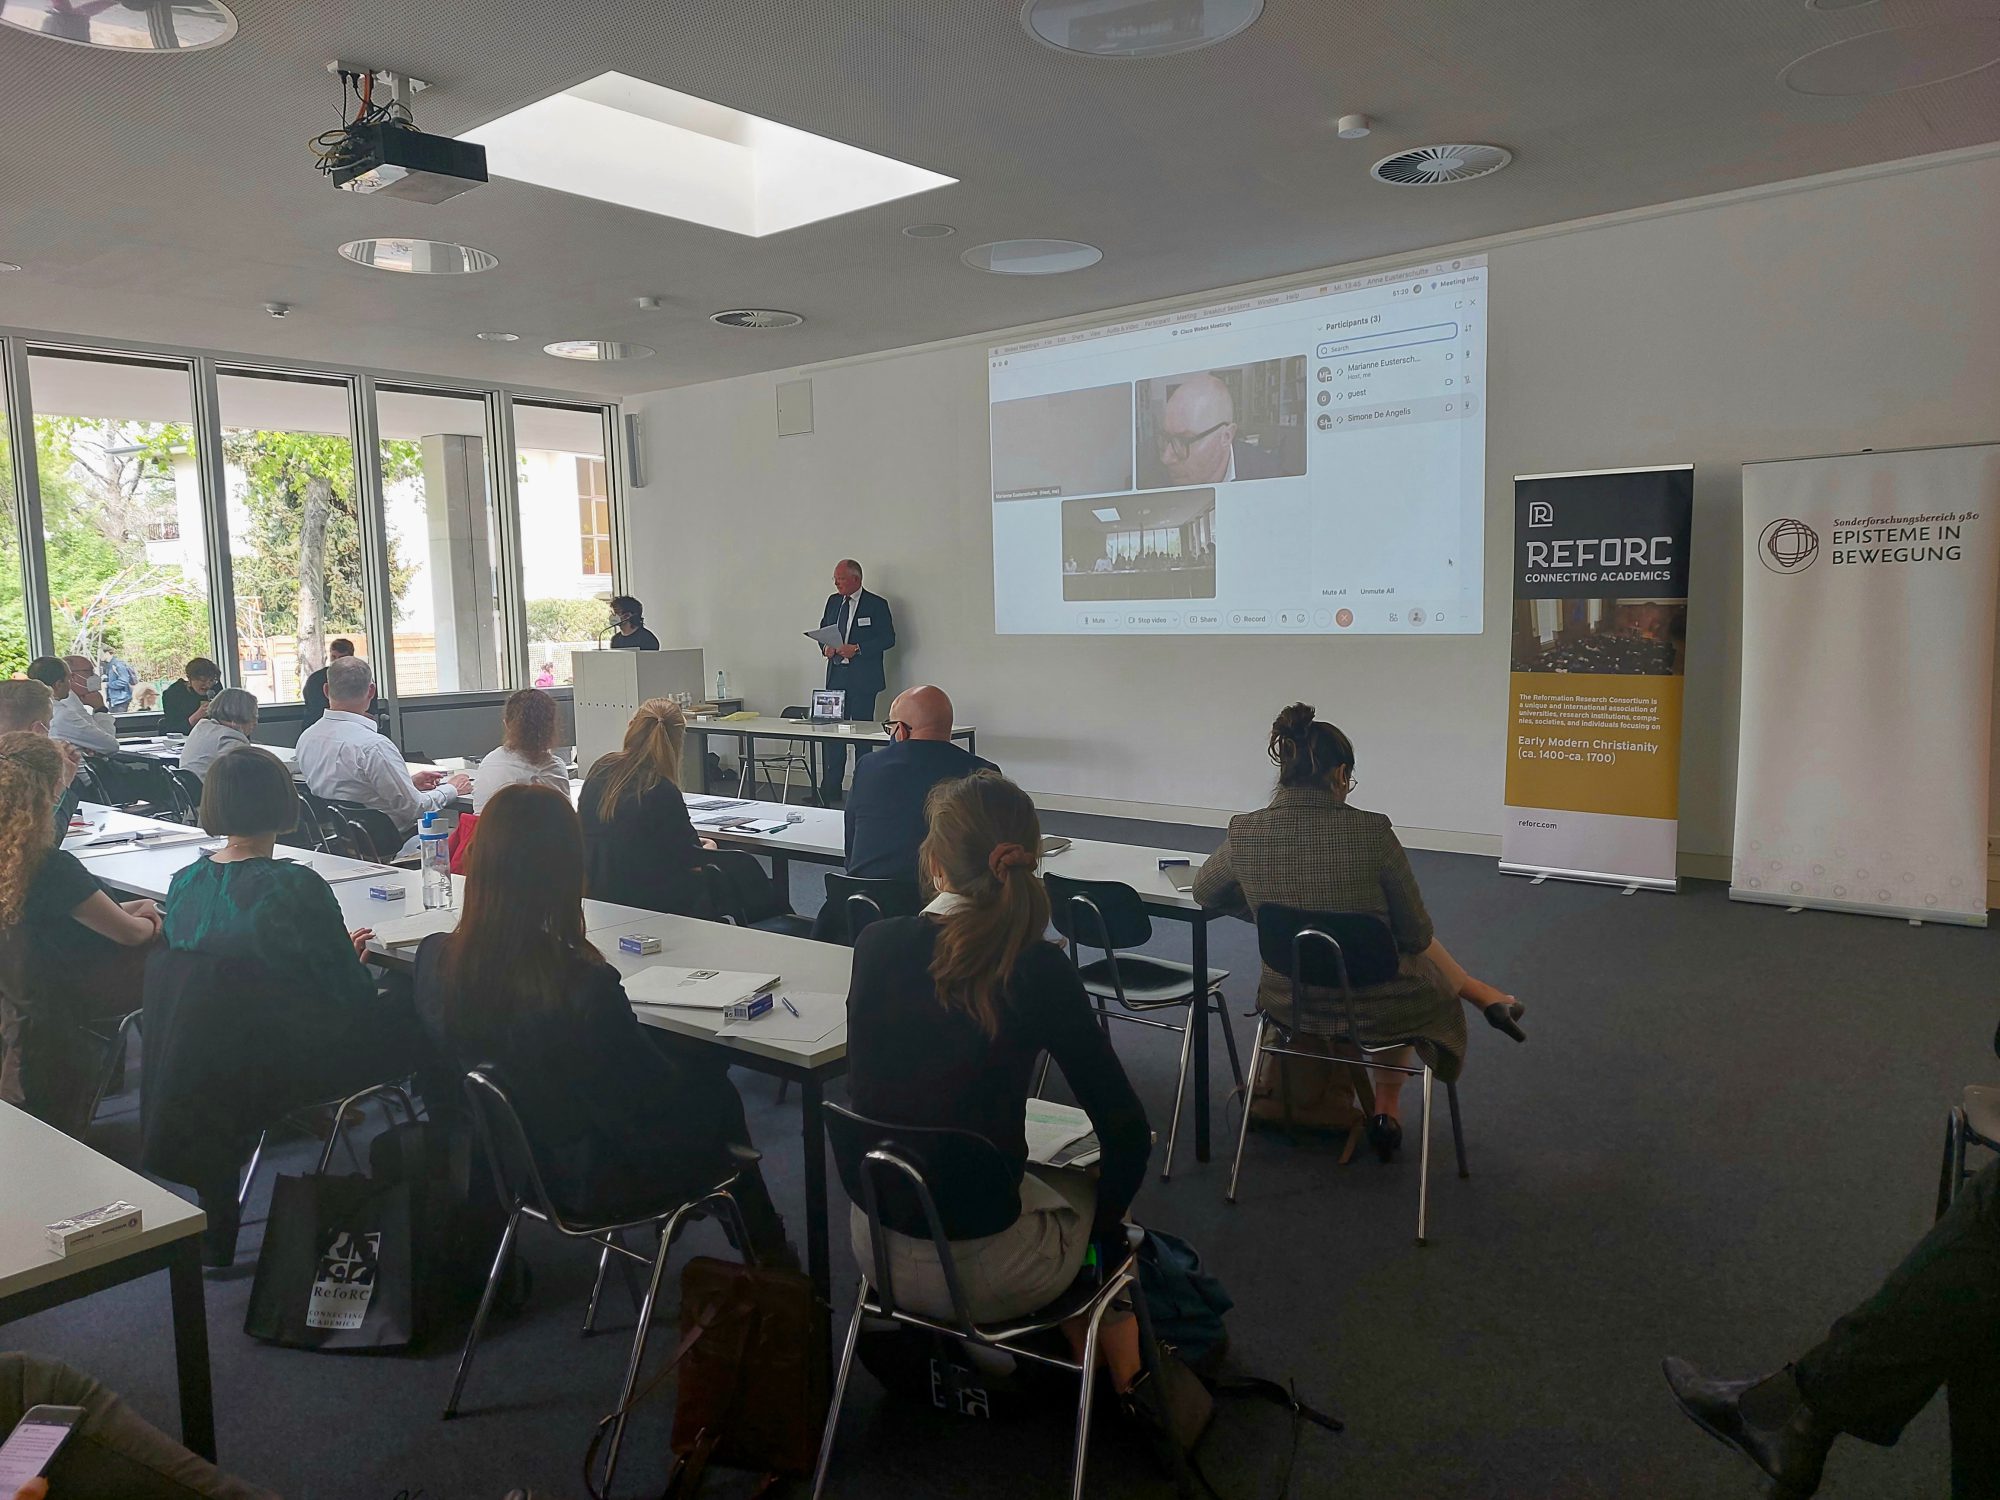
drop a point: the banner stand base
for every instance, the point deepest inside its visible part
(1856, 909)
(1593, 877)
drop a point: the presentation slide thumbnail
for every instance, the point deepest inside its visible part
(1237, 422)
(1620, 637)
(1068, 443)
(1140, 547)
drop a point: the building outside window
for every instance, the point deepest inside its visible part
(566, 574)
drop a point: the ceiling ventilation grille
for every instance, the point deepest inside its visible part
(1435, 166)
(756, 317)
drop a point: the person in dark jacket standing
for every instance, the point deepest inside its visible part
(314, 691)
(854, 667)
(629, 632)
(639, 849)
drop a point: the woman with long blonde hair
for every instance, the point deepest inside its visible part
(639, 849)
(948, 1014)
(69, 954)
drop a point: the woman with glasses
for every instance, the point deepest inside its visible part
(1312, 850)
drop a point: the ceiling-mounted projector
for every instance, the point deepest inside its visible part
(379, 150)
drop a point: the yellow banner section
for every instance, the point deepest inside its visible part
(1596, 743)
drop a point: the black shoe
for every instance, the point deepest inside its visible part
(1792, 1454)
(1504, 1015)
(1385, 1135)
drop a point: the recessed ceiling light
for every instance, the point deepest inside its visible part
(626, 141)
(928, 231)
(8, 265)
(1136, 28)
(499, 337)
(756, 317)
(1032, 257)
(1439, 166)
(598, 349)
(419, 257)
(1106, 513)
(1904, 57)
(130, 26)
(1837, 4)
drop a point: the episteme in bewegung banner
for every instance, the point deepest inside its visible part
(1864, 752)
(1594, 685)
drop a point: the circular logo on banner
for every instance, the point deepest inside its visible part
(1788, 546)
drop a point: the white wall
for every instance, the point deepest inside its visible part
(1861, 313)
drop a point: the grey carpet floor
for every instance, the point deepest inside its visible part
(1724, 1130)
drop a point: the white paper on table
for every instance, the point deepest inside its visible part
(1059, 1134)
(116, 844)
(694, 989)
(821, 1013)
(407, 932)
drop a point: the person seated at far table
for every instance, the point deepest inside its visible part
(29, 705)
(949, 1013)
(230, 721)
(1313, 850)
(624, 1118)
(76, 717)
(346, 758)
(71, 958)
(186, 701)
(639, 849)
(528, 734)
(314, 691)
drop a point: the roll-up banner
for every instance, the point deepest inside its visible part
(1599, 650)
(1867, 720)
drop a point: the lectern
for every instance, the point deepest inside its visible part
(610, 686)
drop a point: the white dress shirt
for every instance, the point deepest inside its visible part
(344, 758)
(207, 740)
(86, 730)
(506, 768)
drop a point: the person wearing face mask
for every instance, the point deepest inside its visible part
(628, 617)
(78, 716)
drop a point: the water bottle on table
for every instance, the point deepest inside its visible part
(435, 859)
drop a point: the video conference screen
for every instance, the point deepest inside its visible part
(1303, 462)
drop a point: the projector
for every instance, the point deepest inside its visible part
(398, 162)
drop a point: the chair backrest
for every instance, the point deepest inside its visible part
(189, 786)
(739, 890)
(1098, 913)
(1327, 950)
(926, 1182)
(380, 830)
(862, 900)
(796, 712)
(516, 1176)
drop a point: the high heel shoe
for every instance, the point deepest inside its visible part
(1385, 1135)
(1505, 1015)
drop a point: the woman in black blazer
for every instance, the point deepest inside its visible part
(639, 849)
(621, 1122)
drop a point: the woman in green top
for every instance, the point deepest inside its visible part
(241, 903)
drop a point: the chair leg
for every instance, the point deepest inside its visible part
(1947, 1183)
(1229, 1038)
(667, 1233)
(839, 1390)
(1243, 1129)
(1180, 1093)
(1958, 1154)
(1424, 1168)
(1457, 1129)
(597, 1286)
(1089, 1383)
(250, 1172)
(1042, 1078)
(785, 795)
(485, 1307)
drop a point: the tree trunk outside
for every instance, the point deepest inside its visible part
(317, 511)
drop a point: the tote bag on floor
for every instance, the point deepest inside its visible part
(336, 1268)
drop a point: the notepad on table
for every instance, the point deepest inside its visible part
(407, 932)
(694, 989)
(1059, 1135)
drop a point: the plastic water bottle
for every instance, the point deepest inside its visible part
(435, 862)
(721, 685)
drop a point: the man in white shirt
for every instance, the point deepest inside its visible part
(28, 706)
(345, 758)
(79, 716)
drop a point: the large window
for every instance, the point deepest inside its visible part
(560, 464)
(295, 525)
(13, 601)
(443, 541)
(121, 517)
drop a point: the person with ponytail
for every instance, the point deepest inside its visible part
(948, 1015)
(70, 956)
(639, 849)
(1310, 848)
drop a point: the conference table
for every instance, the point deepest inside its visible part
(50, 1176)
(147, 869)
(811, 731)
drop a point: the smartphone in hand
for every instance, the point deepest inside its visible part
(34, 1442)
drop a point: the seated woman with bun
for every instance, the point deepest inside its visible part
(1310, 849)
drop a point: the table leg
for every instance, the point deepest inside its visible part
(191, 1348)
(819, 1258)
(1198, 1021)
(781, 877)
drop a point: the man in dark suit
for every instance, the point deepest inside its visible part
(855, 665)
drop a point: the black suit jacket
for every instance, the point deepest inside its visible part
(885, 806)
(874, 631)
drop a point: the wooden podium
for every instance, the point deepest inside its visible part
(610, 686)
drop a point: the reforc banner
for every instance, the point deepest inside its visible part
(1594, 685)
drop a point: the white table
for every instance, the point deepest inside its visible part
(49, 1176)
(845, 731)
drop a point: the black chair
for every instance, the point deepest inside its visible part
(115, 1046)
(741, 892)
(1973, 1121)
(383, 838)
(790, 759)
(939, 1185)
(518, 1179)
(134, 783)
(1110, 917)
(854, 901)
(188, 788)
(1337, 953)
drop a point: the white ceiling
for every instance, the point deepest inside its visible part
(167, 198)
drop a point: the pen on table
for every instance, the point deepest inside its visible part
(786, 1002)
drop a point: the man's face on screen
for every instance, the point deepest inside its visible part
(1199, 426)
